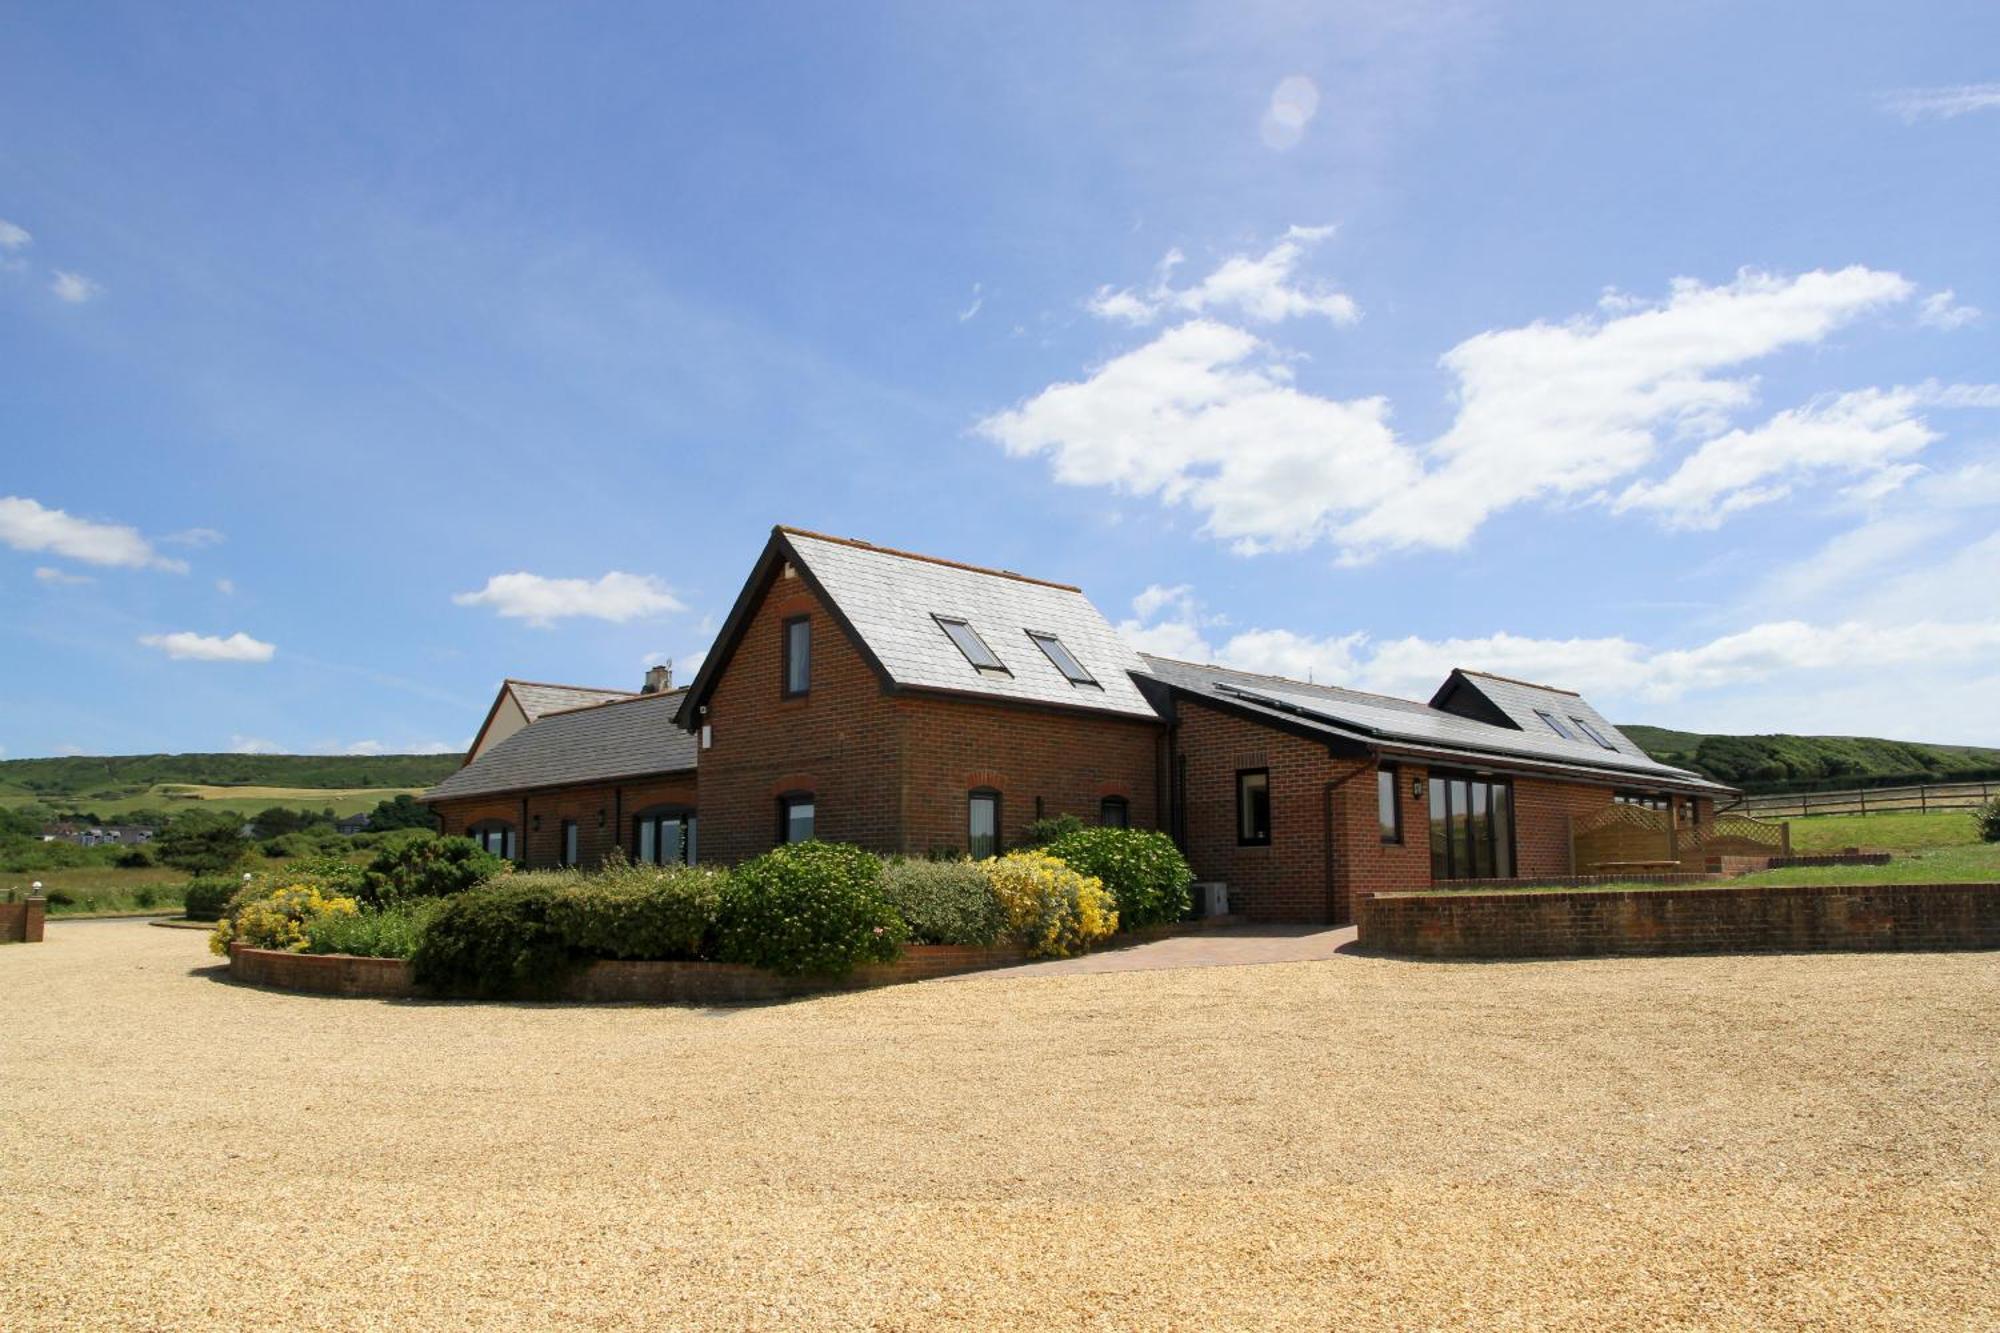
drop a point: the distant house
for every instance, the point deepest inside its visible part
(917, 705)
(125, 835)
(351, 825)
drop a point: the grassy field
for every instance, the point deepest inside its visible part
(101, 890)
(172, 796)
(1887, 833)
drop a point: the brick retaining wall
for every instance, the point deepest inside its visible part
(21, 923)
(1763, 918)
(1576, 881)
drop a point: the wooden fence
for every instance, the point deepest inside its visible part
(1925, 798)
(1637, 840)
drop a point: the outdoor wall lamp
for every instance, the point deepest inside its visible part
(1417, 788)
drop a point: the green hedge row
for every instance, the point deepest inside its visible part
(812, 908)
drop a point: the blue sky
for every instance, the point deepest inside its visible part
(352, 360)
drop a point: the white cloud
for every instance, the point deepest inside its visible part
(227, 587)
(364, 748)
(1866, 432)
(27, 526)
(1940, 310)
(1915, 104)
(185, 645)
(973, 309)
(73, 287)
(434, 747)
(194, 537)
(1294, 102)
(253, 745)
(543, 601)
(71, 751)
(1260, 288)
(1207, 415)
(1204, 415)
(13, 236)
(61, 578)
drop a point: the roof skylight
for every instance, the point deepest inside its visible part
(969, 643)
(1592, 732)
(1555, 724)
(1064, 659)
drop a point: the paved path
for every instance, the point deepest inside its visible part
(1230, 946)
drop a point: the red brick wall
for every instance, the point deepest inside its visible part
(541, 847)
(1286, 881)
(1675, 920)
(1069, 760)
(1363, 863)
(1542, 811)
(840, 741)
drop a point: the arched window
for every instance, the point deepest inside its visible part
(1114, 812)
(497, 837)
(982, 823)
(664, 835)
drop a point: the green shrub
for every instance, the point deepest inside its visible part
(811, 907)
(493, 940)
(659, 912)
(206, 898)
(1045, 831)
(277, 918)
(132, 858)
(1143, 869)
(428, 868)
(1052, 909)
(943, 902)
(145, 895)
(1987, 821)
(388, 932)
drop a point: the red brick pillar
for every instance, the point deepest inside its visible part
(31, 928)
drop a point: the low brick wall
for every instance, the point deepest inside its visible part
(1576, 881)
(616, 979)
(1762, 918)
(1830, 859)
(21, 923)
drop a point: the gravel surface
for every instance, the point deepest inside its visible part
(1682, 1143)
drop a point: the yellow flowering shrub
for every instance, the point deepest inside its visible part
(1050, 909)
(280, 918)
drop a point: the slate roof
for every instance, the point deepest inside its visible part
(1404, 724)
(624, 738)
(538, 699)
(889, 600)
(1520, 701)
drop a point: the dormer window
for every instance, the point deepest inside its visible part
(968, 641)
(1591, 732)
(1555, 724)
(1064, 660)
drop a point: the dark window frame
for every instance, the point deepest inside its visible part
(1106, 804)
(1041, 638)
(1592, 732)
(786, 803)
(510, 838)
(1555, 723)
(1252, 839)
(785, 690)
(1447, 780)
(948, 623)
(1392, 833)
(973, 797)
(656, 815)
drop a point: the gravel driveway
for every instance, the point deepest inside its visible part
(1736, 1142)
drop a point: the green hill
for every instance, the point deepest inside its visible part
(123, 777)
(1803, 763)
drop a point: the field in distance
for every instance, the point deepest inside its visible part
(246, 801)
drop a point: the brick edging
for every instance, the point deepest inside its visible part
(1718, 919)
(611, 980)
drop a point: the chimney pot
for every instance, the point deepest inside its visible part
(659, 679)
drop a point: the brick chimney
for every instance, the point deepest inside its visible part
(659, 679)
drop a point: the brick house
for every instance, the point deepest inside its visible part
(917, 705)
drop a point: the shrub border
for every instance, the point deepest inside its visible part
(624, 981)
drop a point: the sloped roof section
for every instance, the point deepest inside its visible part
(1521, 702)
(538, 699)
(625, 738)
(1377, 719)
(892, 600)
